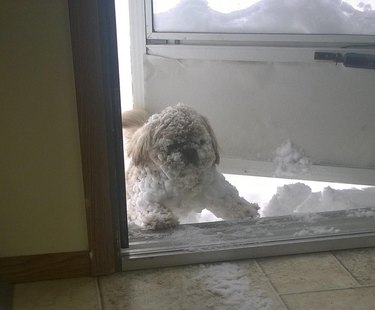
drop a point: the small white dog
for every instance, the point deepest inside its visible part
(172, 170)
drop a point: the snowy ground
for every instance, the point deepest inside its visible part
(277, 197)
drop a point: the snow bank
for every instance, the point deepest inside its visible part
(298, 198)
(286, 200)
(266, 16)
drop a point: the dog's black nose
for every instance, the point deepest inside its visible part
(190, 156)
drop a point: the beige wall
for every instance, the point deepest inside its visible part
(41, 187)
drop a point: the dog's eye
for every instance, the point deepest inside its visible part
(172, 148)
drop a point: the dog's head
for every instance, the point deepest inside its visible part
(176, 139)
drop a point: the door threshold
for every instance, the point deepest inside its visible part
(262, 237)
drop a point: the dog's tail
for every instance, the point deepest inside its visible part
(132, 120)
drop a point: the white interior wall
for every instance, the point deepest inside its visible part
(325, 109)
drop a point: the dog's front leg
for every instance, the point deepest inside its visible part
(224, 201)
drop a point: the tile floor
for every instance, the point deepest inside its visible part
(331, 280)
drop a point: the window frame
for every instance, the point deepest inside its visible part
(251, 47)
(252, 39)
(94, 51)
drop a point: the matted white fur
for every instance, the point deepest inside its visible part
(172, 170)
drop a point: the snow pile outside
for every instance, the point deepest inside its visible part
(278, 197)
(286, 199)
(298, 198)
(290, 161)
(266, 16)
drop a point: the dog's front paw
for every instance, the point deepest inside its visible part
(244, 209)
(159, 218)
(253, 209)
(160, 224)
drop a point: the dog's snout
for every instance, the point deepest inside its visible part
(190, 156)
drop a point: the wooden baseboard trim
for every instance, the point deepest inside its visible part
(45, 267)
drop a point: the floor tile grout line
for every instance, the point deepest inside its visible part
(346, 269)
(268, 278)
(273, 288)
(328, 290)
(99, 293)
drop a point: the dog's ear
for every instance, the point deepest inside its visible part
(139, 146)
(131, 121)
(213, 139)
